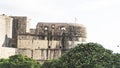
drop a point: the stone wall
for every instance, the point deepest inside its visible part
(52, 35)
(37, 54)
(24, 51)
(5, 52)
(20, 26)
(5, 30)
(56, 30)
(40, 54)
(34, 42)
(32, 31)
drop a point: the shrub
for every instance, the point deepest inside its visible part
(19, 61)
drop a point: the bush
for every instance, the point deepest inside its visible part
(55, 63)
(19, 61)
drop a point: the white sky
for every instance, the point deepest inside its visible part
(101, 17)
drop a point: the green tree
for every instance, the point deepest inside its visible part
(19, 61)
(55, 63)
(89, 55)
(4, 63)
(116, 61)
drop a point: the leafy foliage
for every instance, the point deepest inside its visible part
(116, 61)
(55, 63)
(90, 55)
(19, 61)
(87, 55)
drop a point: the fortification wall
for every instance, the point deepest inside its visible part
(5, 30)
(24, 51)
(2, 30)
(40, 54)
(37, 54)
(33, 42)
(5, 52)
(37, 44)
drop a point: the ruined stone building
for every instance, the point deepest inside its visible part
(47, 41)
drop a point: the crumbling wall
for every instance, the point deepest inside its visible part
(71, 31)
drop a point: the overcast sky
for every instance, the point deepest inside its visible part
(101, 17)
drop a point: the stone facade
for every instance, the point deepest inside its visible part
(46, 41)
(5, 30)
(52, 35)
(50, 40)
(20, 26)
(40, 54)
(5, 52)
(31, 42)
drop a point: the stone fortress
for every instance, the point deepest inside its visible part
(47, 41)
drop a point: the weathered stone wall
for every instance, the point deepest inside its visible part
(5, 52)
(52, 35)
(40, 54)
(5, 30)
(37, 54)
(24, 51)
(33, 42)
(20, 26)
(32, 31)
(71, 31)
(28, 26)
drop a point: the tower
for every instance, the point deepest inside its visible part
(20, 26)
(5, 30)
